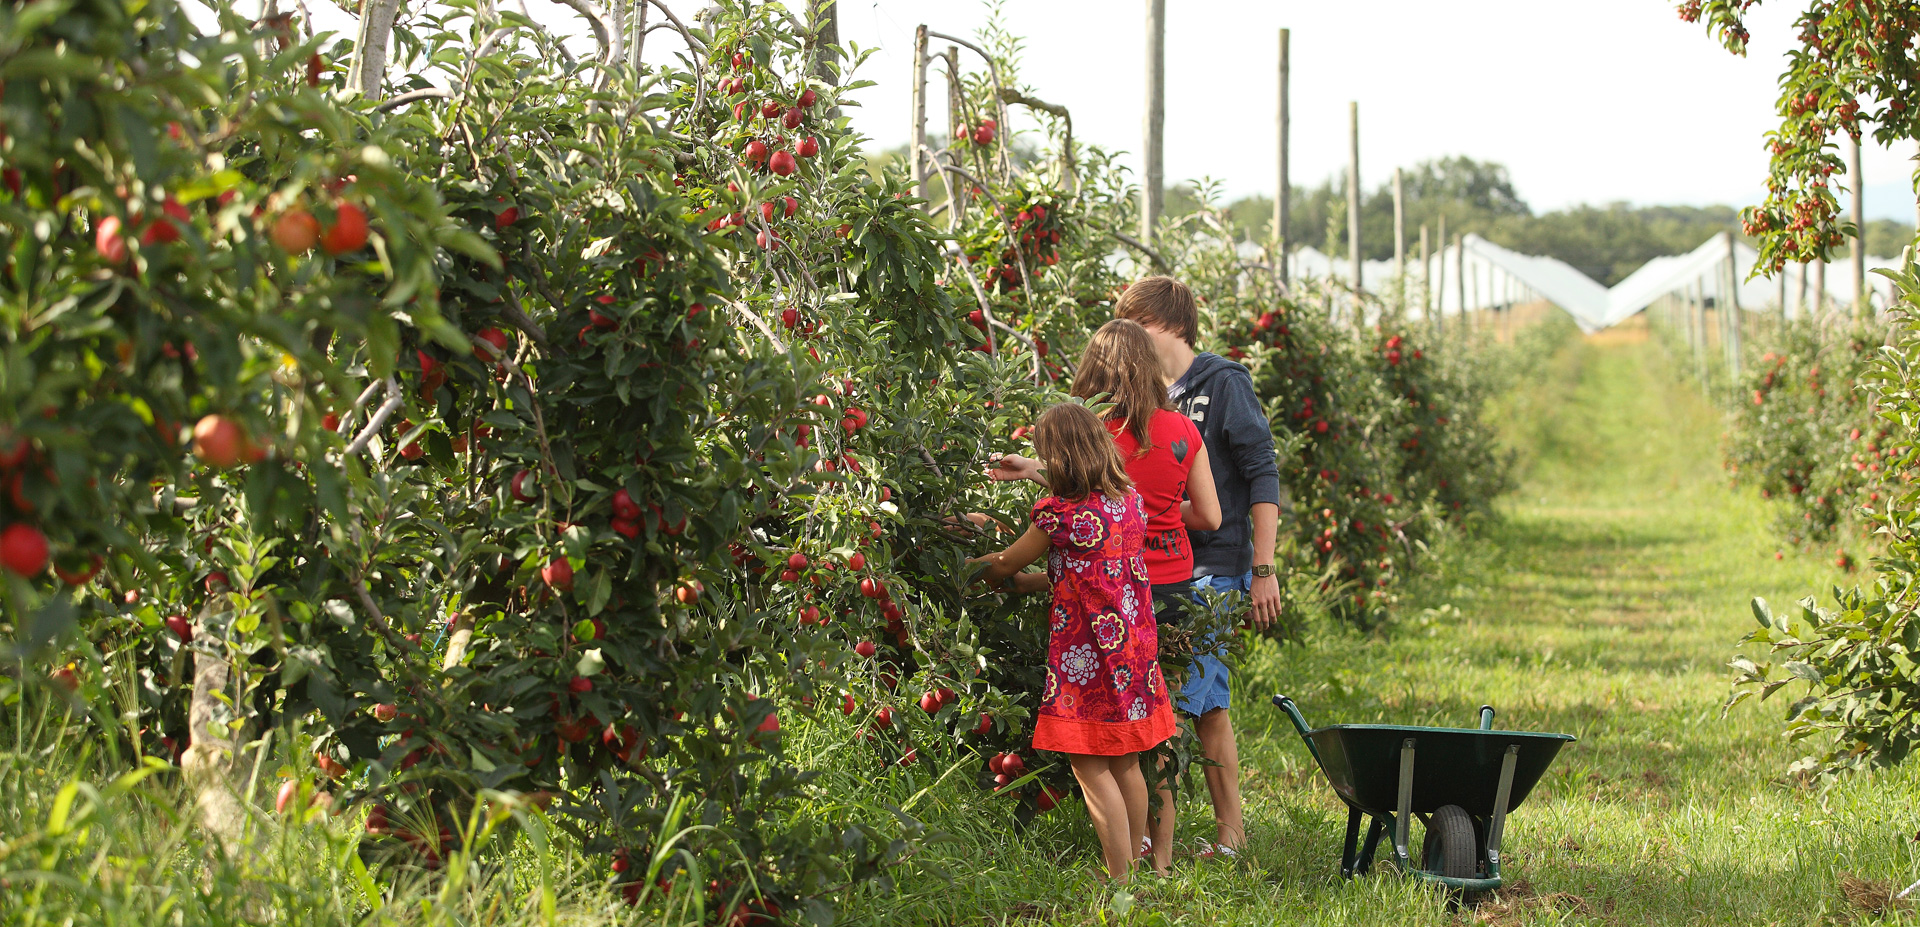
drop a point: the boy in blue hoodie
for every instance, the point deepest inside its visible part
(1217, 394)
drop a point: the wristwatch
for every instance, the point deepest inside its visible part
(1263, 569)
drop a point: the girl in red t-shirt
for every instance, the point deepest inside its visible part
(1105, 700)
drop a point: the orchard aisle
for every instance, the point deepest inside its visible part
(1606, 605)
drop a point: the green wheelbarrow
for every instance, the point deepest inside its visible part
(1460, 782)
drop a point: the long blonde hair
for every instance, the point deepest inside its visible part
(1120, 362)
(1081, 457)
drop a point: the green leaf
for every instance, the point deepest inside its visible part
(590, 663)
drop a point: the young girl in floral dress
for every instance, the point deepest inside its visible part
(1105, 700)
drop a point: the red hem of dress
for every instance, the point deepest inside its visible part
(1103, 738)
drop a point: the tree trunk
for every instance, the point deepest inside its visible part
(824, 19)
(368, 72)
(917, 134)
(209, 760)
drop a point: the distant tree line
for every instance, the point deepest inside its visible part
(1605, 242)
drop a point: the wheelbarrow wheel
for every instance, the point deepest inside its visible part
(1452, 848)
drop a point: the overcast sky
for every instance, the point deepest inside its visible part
(1584, 102)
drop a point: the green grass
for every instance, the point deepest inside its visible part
(1605, 603)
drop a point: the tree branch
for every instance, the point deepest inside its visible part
(1151, 254)
(426, 93)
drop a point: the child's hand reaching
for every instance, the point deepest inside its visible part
(1011, 467)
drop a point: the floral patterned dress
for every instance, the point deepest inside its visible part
(1104, 694)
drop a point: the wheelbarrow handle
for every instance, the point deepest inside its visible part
(1299, 723)
(1293, 711)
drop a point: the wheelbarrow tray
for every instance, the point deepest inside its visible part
(1467, 779)
(1458, 766)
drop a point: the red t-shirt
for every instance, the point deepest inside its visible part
(1160, 476)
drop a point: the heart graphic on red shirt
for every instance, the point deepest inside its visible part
(1180, 450)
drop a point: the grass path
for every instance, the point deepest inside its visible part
(1606, 604)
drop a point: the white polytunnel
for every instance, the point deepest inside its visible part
(1497, 276)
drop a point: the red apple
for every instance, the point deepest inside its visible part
(913, 755)
(490, 344)
(296, 231)
(349, 230)
(523, 487)
(385, 712)
(810, 615)
(289, 794)
(770, 109)
(580, 685)
(216, 582)
(558, 574)
(688, 592)
(180, 626)
(109, 240)
(23, 549)
(794, 116)
(865, 648)
(782, 163)
(807, 97)
(798, 561)
(848, 706)
(807, 147)
(1047, 798)
(872, 587)
(930, 701)
(1013, 765)
(506, 217)
(884, 716)
(624, 506)
(219, 441)
(985, 725)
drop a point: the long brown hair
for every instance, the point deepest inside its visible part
(1081, 457)
(1120, 362)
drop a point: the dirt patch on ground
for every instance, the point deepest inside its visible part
(1871, 896)
(1516, 903)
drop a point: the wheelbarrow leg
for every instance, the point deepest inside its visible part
(1405, 810)
(1347, 856)
(1500, 798)
(1375, 830)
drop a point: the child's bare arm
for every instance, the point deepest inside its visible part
(1010, 561)
(1028, 583)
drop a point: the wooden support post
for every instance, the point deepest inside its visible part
(1426, 276)
(1820, 288)
(1700, 325)
(917, 136)
(1460, 281)
(1733, 309)
(1440, 282)
(1283, 194)
(1861, 308)
(1152, 191)
(1400, 238)
(1353, 208)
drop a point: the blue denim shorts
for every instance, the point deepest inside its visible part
(1207, 687)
